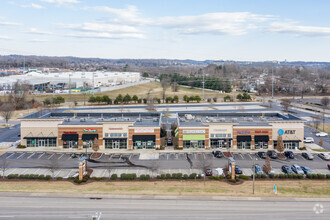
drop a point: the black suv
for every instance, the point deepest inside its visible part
(289, 154)
(262, 155)
(272, 154)
(217, 154)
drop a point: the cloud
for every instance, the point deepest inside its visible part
(60, 2)
(4, 38)
(129, 15)
(221, 23)
(38, 41)
(32, 5)
(5, 23)
(299, 30)
(105, 35)
(38, 32)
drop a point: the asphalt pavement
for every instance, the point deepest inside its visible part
(52, 207)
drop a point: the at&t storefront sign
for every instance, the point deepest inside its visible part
(281, 132)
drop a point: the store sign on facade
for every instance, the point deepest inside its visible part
(90, 130)
(193, 131)
(144, 130)
(281, 132)
(115, 128)
(243, 132)
(69, 132)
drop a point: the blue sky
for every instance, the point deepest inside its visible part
(252, 30)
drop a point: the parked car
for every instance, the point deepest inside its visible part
(329, 166)
(208, 172)
(321, 134)
(238, 170)
(220, 171)
(272, 154)
(307, 155)
(258, 169)
(217, 154)
(308, 140)
(289, 154)
(324, 156)
(297, 169)
(262, 155)
(271, 170)
(306, 170)
(286, 169)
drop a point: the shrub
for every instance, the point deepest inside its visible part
(263, 176)
(232, 181)
(145, 177)
(11, 176)
(272, 176)
(185, 176)
(290, 176)
(309, 176)
(21, 146)
(328, 176)
(162, 176)
(212, 177)
(48, 177)
(192, 176)
(199, 176)
(41, 177)
(113, 177)
(59, 178)
(168, 176)
(243, 177)
(300, 176)
(320, 176)
(130, 176)
(177, 176)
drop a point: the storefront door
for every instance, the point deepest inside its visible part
(144, 145)
(244, 145)
(41, 143)
(115, 145)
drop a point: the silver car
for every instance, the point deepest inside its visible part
(297, 169)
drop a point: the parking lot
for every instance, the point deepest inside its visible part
(144, 163)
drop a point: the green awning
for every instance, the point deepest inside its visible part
(194, 137)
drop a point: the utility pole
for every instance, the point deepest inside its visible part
(203, 84)
(93, 84)
(69, 83)
(254, 171)
(272, 82)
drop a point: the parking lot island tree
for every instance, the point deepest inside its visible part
(7, 111)
(267, 168)
(280, 144)
(4, 163)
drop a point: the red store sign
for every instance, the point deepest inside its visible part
(69, 132)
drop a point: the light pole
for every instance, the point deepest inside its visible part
(272, 82)
(203, 84)
(254, 171)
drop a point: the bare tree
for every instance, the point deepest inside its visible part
(53, 166)
(286, 103)
(321, 142)
(150, 101)
(6, 111)
(109, 169)
(165, 83)
(95, 146)
(280, 144)
(267, 168)
(4, 166)
(175, 87)
(325, 102)
(154, 166)
(316, 122)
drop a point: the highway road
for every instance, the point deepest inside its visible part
(29, 207)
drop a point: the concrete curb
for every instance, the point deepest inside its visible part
(159, 197)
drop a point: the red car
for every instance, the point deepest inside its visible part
(329, 166)
(208, 172)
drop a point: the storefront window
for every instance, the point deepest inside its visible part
(220, 143)
(290, 145)
(261, 145)
(115, 134)
(144, 144)
(70, 144)
(41, 142)
(115, 143)
(193, 144)
(243, 144)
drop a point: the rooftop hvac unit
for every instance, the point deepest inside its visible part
(101, 119)
(234, 119)
(139, 119)
(222, 119)
(155, 119)
(198, 119)
(67, 119)
(189, 116)
(82, 119)
(250, 119)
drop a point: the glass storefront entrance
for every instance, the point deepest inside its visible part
(115, 143)
(289, 145)
(70, 144)
(144, 141)
(41, 142)
(193, 144)
(261, 141)
(220, 143)
(244, 142)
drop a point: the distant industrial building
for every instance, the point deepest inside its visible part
(68, 80)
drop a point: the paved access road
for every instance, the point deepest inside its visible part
(29, 207)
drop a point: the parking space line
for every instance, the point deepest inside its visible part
(204, 156)
(130, 156)
(176, 156)
(110, 156)
(10, 155)
(195, 156)
(58, 173)
(31, 155)
(241, 156)
(60, 156)
(20, 156)
(51, 156)
(167, 156)
(41, 155)
(119, 157)
(24, 171)
(250, 156)
(12, 171)
(69, 157)
(36, 171)
(104, 173)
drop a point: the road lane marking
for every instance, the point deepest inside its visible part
(10, 155)
(20, 156)
(31, 155)
(41, 155)
(51, 156)
(60, 156)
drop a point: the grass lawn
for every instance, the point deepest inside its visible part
(320, 127)
(286, 188)
(139, 90)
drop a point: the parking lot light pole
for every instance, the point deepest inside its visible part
(254, 171)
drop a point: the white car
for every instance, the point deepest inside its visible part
(220, 171)
(308, 140)
(321, 134)
(324, 156)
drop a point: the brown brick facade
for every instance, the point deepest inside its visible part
(80, 132)
(134, 131)
(252, 132)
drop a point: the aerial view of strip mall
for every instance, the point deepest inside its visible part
(164, 109)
